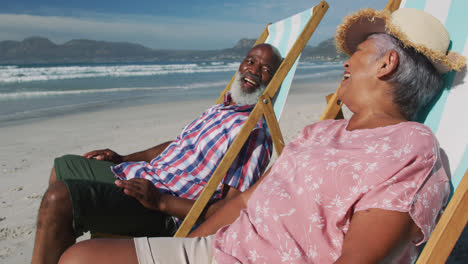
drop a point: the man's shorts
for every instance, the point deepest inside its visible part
(160, 250)
(100, 206)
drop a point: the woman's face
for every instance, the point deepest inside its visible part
(360, 74)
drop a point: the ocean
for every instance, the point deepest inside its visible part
(29, 92)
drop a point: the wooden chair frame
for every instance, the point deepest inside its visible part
(264, 107)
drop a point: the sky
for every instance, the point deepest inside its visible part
(169, 24)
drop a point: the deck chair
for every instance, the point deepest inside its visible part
(448, 125)
(290, 37)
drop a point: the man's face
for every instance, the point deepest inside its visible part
(257, 68)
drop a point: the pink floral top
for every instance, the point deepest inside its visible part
(302, 210)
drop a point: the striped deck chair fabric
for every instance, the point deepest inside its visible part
(446, 117)
(283, 34)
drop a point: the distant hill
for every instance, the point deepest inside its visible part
(41, 50)
(325, 51)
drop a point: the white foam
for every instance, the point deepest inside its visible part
(13, 74)
(32, 94)
(8, 67)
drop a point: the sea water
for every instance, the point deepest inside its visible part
(29, 92)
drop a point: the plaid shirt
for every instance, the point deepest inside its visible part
(186, 165)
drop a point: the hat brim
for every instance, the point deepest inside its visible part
(358, 26)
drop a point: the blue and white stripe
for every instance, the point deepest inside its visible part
(283, 34)
(446, 119)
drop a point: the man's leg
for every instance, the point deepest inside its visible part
(74, 167)
(53, 177)
(104, 208)
(82, 197)
(54, 233)
(72, 207)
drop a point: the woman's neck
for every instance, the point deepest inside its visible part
(371, 120)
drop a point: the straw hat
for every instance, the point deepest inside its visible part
(413, 27)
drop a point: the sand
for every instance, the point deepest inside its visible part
(28, 150)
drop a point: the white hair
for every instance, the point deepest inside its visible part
(240, 96)
(416, 81)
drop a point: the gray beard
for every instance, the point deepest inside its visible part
(243, 98)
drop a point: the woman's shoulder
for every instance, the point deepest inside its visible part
(418, 136)
(417, 127)
(416, 131)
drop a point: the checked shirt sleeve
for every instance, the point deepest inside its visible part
(252, 160)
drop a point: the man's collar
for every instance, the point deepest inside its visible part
(228, 100)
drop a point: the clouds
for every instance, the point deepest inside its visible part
(206, 24)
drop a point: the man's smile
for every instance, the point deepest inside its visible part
(250, 81)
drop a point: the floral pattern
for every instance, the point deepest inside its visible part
(302, 211)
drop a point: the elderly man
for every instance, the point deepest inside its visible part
(157, 186)
(364, 190)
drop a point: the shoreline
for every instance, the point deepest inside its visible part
(28, 149)
(43, 107)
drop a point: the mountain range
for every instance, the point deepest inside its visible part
(39, 50)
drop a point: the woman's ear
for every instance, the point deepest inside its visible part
(388, 64)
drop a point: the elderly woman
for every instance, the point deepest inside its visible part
(363, 190)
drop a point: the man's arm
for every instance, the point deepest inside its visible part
(147, 155)
(180, 207)
(110, 155)
(376, 234)
(150, 197)
(256, 151)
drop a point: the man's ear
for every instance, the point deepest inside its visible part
(388, 64)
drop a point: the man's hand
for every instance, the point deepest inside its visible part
(143, 190)
(104, 154)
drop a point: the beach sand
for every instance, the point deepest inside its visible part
(28, 150)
